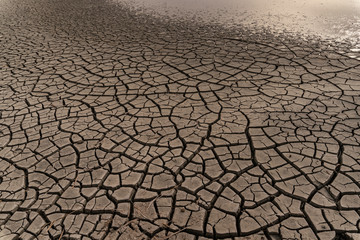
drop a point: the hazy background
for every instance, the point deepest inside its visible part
(336, 19)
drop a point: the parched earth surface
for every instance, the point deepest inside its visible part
(115, 125)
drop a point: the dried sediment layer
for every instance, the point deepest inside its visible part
(112, 128)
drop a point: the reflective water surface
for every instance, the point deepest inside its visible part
(328, 18)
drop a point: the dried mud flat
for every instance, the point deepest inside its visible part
(119, 126)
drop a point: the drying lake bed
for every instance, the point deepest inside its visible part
(179, 119)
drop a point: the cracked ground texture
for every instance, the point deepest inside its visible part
(119, 126)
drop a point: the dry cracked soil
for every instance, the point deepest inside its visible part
(117, 125)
